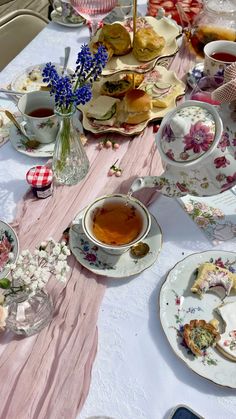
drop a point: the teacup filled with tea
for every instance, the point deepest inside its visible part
(116, 222)
(39, 119)
(217, 56)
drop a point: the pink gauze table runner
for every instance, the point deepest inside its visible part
(48, 375)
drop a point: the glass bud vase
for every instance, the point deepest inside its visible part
(70, 163)
(28, 315)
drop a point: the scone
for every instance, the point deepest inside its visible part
(147, 44)
(94, 48)
(200, 335)
(135, 78)
(117, 36)
(116, 88)
(137, 106)
(209, 276)
(227, 343)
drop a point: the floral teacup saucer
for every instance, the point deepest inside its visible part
(195, 74)
(101, 263)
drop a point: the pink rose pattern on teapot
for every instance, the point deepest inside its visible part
(190, 133)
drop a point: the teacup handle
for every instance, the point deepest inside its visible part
(57, 6)
(22, 128)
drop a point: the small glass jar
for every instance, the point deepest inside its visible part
(40, 180)
(29, 314)
(217, 21)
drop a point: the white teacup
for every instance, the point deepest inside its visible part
(213, 65)
(116, 222)
(37, 109)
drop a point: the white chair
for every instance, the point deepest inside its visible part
(17, 29)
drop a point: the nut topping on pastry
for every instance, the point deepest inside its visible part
(200, 335)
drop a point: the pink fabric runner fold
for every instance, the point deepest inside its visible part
(48, 375)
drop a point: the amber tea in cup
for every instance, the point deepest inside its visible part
(116, 222)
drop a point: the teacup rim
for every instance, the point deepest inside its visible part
(124, 246)
(37, 93)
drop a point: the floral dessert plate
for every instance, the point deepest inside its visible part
(43, 150)
(31, 78)
(102, 263)
(58, 19)
(159, 76)
(178, 305)
(8, 244)
(195, 74)
(4, 127)
(164, 27)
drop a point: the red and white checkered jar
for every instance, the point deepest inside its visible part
(40, 179)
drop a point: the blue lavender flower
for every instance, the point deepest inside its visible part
(76, 89)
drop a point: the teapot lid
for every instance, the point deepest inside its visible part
(221, 7)
(189, 131)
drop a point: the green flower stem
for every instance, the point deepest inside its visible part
(65, 143)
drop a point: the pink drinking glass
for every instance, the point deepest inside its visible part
(94, 11)
(204, 88)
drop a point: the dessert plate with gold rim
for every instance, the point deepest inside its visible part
(163, 27)
(178, 305)
(57, 18)
(31, 78)
(158, 75)
(102, 263)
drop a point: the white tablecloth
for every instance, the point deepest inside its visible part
(136, 374)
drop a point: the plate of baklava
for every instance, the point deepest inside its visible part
(198, 314)
(125, 103)
(155, 40)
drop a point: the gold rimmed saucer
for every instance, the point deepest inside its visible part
(115, 266)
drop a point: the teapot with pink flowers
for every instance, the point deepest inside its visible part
(197, 144)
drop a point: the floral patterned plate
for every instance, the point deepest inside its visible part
(164, 27)
(44, 150)
(8, 244)
(178, 305)
(158, 75)
(102, 263)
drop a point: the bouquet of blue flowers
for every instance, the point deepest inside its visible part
(75, 89)
(70, 163)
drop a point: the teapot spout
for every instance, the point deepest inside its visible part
(168, 184)
(143, 182)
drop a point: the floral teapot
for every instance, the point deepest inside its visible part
(198, 152)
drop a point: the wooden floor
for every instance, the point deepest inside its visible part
(40, 6)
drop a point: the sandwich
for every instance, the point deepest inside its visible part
(137, 106)
(117, 36)
(102, 110)
(147, 44)
(116, 88)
